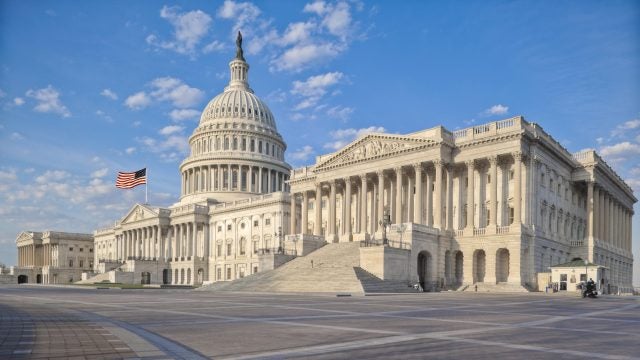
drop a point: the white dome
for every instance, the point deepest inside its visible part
(239, 104)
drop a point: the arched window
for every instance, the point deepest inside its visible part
(243, 245)
(226, 143)
(235, 143)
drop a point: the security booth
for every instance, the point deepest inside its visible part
(569, 276)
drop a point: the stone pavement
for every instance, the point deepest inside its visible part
(58, 322)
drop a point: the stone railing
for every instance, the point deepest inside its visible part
(459, 232)
(480, 231)
(489, 129)
(502, 229)
(576, 243)
(187, 209)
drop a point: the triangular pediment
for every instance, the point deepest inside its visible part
(25, 236)
(374, 146)
(139, 212)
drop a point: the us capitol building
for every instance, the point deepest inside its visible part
(498, 203)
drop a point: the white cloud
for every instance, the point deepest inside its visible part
(16, 136)
(188, 30)
(109, 94)
(242, 13)
(100, 173)
(302, 153)
(130, 150)
(183, 114)
(340, 112)
(52, 176)
(9, 175)
(171, 129)
(336, 18)
(176, 91)
(625, 127)
(48, 101)
(297, 32)
(168, 89)
(498, 109)
(213, 46)
(137, 101)
(103, 115)
(302, 56)
(18, 101)
(314, 88)
(342, 137)
(620, 150)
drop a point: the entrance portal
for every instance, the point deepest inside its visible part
(39, 279)
(165, 276)
(479, 262)
(459, 263)
(146, 278)
(502, 265)
(424, 270)
(23, 279)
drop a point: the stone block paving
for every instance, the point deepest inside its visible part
(37, 332)
(43, 322)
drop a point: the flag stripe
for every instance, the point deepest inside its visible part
(128, 180)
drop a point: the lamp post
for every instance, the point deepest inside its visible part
(386, 221)
(279, 236)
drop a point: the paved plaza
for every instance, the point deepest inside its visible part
(67, 322)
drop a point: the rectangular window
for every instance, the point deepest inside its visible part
(228, 273)
(219, 274)
(219, 250)
(70, 263)
(267, 221)
(255, 247)
(253, 145)
(228, 227)
(70, 249)
(583, 277)
(255, 269)
(260, 146)
(81, 249)
(255, 223)
(266, 148)
(91, 250)
(81, 263)
(229, 249)
(244, 144)
(563, 277)
(511, 215)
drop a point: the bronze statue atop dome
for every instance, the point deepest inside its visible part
(239, 53)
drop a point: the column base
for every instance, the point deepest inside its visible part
(332, 238)
(361, 237)
(345, 238)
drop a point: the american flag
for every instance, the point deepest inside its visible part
(128, 180)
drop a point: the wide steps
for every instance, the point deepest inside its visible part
(332, 268)
(500, 287)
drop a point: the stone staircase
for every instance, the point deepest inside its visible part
(333, 268)
(96, 279)
(490, 287)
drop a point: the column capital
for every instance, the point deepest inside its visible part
(332, 182)
(470, 163)
(380, 173)
(493, 160)
(438, 162)
(517, 155)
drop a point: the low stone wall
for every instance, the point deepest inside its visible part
(8, 279)
(385, 262)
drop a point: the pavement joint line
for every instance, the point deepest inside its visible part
(586, 330)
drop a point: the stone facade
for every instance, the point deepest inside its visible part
(53, 257)
(495, 203)
(234, 204)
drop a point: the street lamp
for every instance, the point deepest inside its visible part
(279, 236)
(386, 221)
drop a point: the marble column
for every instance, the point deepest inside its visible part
(590, 221)
(493, 192)
(304, 209)
(363, 204)
(417, 211)
(398, 196)
(517, 189)
(380, 202)
(317, 226)
(331, 232)
(437, 204)
(470, 194)
(448, 204)
(347, 207)
(292, 214)
(428, 204)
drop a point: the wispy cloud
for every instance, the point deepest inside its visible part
(183, 114)
(188, 30)
(498, 109)
(314, 88)
(341, 137)
(301, 154)
(167, 89)
(48, 101)
(108, 93)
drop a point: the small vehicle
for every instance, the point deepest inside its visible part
(589, 289)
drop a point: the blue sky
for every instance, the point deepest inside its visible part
(90, 88)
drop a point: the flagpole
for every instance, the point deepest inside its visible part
(146, 186)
